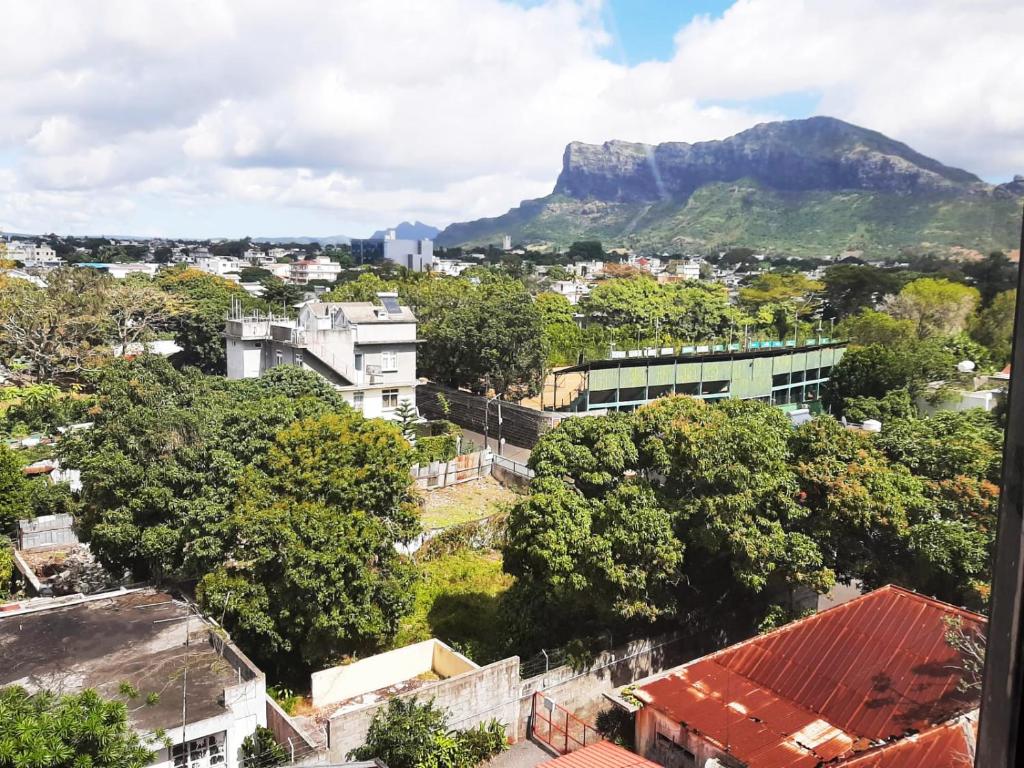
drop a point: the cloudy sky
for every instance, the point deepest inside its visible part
(209, 118)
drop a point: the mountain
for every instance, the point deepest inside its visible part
(329, 240)
(810, 186)
(407, 231)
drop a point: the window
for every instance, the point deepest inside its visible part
(298, 358)
(359, 361)
(278, 357)
(357, 401)
(389, 398)
(389, 360)
(204, 752)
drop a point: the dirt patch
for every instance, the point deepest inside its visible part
(462, 503)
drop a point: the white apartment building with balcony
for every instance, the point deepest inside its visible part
(320, 268)
(367, 350)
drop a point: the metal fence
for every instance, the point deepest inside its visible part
(514, 467)
(559, 728)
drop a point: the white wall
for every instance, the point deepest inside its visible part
(330, 686)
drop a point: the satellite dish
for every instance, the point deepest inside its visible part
(965, 366)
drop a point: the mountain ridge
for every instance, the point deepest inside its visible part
(644, 195)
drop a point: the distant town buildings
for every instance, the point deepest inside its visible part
(365, 349)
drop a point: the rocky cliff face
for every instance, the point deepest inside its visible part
(820, 153)
(802, 186)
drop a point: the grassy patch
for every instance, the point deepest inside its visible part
(458, 601)
(462, 503)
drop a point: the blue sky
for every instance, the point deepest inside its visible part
(382, 110)
(646, 28)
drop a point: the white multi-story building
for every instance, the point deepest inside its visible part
(572, 290)
(320, 268)
(415, 255)
(365, 349)
(33, 256)
(219, 265)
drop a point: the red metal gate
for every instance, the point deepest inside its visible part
(559, 728)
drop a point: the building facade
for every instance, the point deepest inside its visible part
(366, 350)
(307, 270)
(781, 373)
(415, 255)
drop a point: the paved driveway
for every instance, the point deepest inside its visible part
(525, 754)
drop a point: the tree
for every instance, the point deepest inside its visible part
(850, 288)
(67, 732)
(58, 331)
(363, 288)
(994, 326)
(407, 734)
(277, 293)
(992, 275)
(483, 337)
(14, 492)
(872, 327)
(777, 288)
(586, 250)
(563, 339)
(311, 572)
(937, 307)
(199, 325)
(138, 309)
(407, 418)
(875, 370)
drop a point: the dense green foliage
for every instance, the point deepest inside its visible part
(14, 491)
(67, 732)
(408, 734)
(684, 506)
(457, 599)
(745, 213)
(284, 502)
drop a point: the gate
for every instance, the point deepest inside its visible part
(559, 728)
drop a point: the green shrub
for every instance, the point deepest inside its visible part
(408, 734)
(438, 448)
(261, 750)
(6, 570)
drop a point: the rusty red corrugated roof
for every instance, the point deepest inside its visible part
(870, 670)
(945, 746)
(604, 754)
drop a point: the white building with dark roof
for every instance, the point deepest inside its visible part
(367, 350)
(189, 682)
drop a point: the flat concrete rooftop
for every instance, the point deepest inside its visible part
(136, 638)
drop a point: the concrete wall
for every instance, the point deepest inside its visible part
(288, 734)
(330, 686)
(477, 696)
(582, 692)
(520, 426)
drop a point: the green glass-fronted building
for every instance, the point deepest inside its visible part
(783, 374)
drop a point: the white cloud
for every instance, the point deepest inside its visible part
(360, 113)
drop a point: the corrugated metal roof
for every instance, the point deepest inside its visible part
(866, 671)
(945, 746)
(604, 754)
